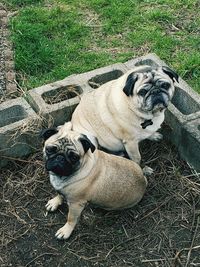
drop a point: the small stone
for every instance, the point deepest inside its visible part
(6, 33)
(9, 66)
(3, 13)
(10, 76)
(8, 54)
(3, 21)
(11, 87)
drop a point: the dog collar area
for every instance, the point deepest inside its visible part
(146, 123)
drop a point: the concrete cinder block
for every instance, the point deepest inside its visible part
(17, 120)
(57, 101)
(189, 143)
(149, 59)
(99, 76)
(185, 107)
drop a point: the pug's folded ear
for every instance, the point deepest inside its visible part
(172, 74)
(46, 133)
(66, 127)
(130, 83)
(86, 143)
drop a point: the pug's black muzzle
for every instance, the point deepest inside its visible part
(59, 165)
(160, 97)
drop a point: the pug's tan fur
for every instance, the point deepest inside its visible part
(115, 116)
(108, 181)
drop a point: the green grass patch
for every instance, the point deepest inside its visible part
(56, 38)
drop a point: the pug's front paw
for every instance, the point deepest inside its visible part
(156, 136)
(54, 203)
(64, 232)
(147, 171)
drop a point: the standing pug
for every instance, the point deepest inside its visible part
(123, 112)
(83, 174)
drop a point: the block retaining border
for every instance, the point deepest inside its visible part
(182, 125)
(16, 138)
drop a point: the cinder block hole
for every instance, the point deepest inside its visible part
(184, 102)
(149, 62)
(12, 114)
(61, 94)
(100, 79)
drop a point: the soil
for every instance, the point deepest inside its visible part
(162, 230)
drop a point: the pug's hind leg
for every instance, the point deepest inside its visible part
(54, 203)
(74, 213)
(156, 136)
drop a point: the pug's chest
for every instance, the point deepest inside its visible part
(148, 127)
(69, 191)
(56, 182)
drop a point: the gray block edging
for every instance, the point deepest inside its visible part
(49, 102)
(17, 130)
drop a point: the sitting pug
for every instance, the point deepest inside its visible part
(82, 174)
(125, 111)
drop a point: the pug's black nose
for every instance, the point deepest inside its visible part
(60, 158)
(51, 149)
(155, 91)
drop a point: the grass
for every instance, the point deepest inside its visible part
(55, 38)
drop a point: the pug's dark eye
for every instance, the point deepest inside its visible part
(142, 92)
(73, 156)
(51, 149)
(165, 85)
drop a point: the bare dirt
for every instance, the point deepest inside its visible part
(162, 230)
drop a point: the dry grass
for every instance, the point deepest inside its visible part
(162, 230)
(62, 94)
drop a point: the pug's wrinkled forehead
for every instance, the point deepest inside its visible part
(64, 137)
(143, 69)
(155, 72)
(139, 76)
(61, 136)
